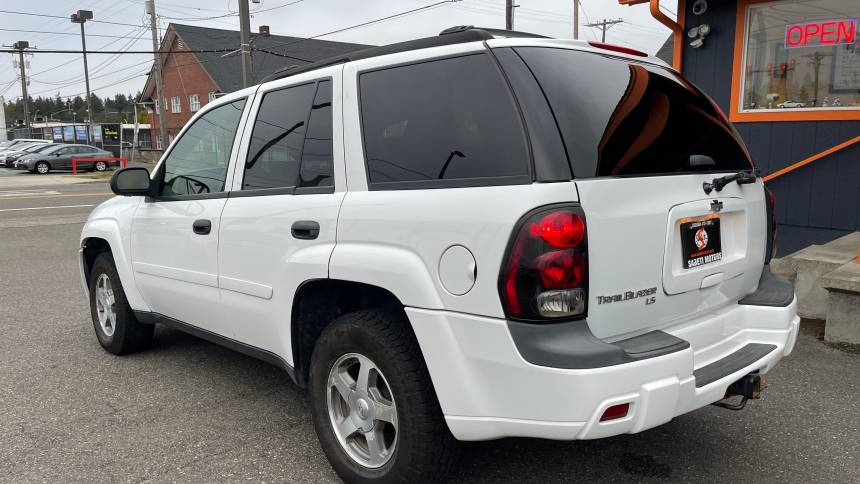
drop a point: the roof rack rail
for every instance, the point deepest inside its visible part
(454, 35)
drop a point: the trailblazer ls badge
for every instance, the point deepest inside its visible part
(700, 240)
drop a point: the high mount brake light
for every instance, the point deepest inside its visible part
(545, 274)
(617, 48)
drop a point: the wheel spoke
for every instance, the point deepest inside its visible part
(363, 374)
(375, 446)
(386, 413)
(346, 428)
(344, 387)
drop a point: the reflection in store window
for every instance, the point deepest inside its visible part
(802, 55)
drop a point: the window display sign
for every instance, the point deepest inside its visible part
(821, 32)
(97, 134)
(801, 55)
(58, 133)
(81, 133)
(69, 134)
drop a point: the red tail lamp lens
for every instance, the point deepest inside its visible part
(615, 412)
(562, 230)
(561, 269)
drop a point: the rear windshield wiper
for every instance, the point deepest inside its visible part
(718, 183)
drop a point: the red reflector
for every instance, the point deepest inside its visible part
(617, 48)
(562, 230)
(615, 412)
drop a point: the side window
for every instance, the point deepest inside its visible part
(317, 161)
(291, 144)
(450, 122)
(197, 164)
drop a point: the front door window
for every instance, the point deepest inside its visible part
(197, 164)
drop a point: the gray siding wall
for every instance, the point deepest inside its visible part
(816, 203)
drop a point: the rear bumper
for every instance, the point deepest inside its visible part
(488, 390)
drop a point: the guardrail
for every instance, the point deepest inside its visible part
(123, 161)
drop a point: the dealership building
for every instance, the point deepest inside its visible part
(787, 74)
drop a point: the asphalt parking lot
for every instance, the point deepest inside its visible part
(189, 411)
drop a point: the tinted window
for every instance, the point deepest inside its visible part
(197, 164)
(278, 137)
(317, 160)
(440, 121)
(623, 118)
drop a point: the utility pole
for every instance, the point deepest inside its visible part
(81, 17)
(20, 46)
(575, 19)
(605, 25)
(160, 104)
(245, 39)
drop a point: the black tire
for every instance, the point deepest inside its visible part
(425, 448)
(47, 168)
(100, 166)
(129, 335)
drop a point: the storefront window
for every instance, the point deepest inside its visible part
(801, 55)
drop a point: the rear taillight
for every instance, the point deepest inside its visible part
(545, 274)
(771, 222)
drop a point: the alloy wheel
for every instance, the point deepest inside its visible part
(362, 410)
(105, 305)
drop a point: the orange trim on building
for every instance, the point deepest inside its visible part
(812, 158)
(735, 114)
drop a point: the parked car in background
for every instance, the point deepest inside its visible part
(5, 145)
(17, 145)
(60, 158)
(8, 158)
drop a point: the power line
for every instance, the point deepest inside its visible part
(150, 52)
(63, 33)
(45, 15)
(363, 24)
(604, 25)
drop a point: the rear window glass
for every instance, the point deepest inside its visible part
(449, 122)
(622, 118)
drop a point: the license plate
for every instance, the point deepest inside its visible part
(700, 241)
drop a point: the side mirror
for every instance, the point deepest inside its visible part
(130, 182)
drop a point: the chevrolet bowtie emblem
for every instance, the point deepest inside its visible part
(716, 206)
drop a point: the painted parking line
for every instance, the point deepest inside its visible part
(44, 208)
(60, 195)
(15, 193)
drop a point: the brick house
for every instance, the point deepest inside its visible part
(191, 80)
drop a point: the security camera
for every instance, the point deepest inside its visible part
(700, 7)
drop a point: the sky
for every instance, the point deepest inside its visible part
(123, 25)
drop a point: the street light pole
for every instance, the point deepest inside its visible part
(80, 18)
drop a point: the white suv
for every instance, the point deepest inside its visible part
(463, 237)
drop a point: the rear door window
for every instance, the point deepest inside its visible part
(291, 144)
(444, 123)
(622, 118)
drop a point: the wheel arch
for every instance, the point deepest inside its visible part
(103, 235)
(318, 302)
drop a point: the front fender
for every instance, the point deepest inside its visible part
(111, 222)
(398, 270)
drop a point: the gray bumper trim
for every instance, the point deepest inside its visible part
(772, 291)
(745, 356)
(573, 346)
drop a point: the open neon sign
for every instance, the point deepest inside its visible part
(821, 32)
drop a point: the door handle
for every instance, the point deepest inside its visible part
(306, 229)
(202, 226)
